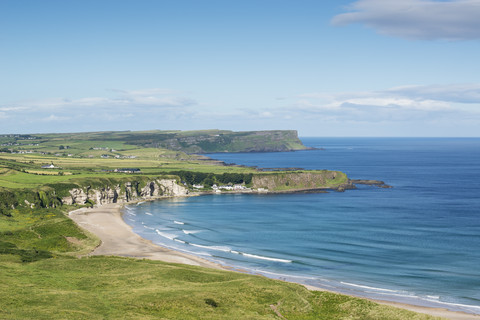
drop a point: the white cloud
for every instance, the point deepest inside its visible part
(152, 98)
(125, 109)
(52, 118)
(462, 93)
(146, 92)
(417, 19)
(426, 103)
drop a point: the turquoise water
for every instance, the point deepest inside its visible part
(416, 243)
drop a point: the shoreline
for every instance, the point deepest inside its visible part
(118, 239)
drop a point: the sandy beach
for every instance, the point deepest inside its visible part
(118, 239)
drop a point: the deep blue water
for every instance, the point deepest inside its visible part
(416, 243)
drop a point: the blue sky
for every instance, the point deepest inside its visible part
(324, 68)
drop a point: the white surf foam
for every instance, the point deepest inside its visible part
(148, 213)
(140, 203)
(178, 222)
(367, 287)
(190, 231)
(149, 228)
(165, 235)
(178, 240)
(265, 258)
(472, 308)
(215, 248)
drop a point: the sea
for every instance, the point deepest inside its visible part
(416, 243)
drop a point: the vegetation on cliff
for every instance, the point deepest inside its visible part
(202, 141)
(303, 180)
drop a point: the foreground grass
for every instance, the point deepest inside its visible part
(122, 288)
(41, 234)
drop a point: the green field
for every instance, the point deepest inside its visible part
(121, 288)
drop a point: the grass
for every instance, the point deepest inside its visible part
(29, 235)
(122, 288)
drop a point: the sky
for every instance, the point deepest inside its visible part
(381, 68)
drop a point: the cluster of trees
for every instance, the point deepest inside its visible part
(209, 179)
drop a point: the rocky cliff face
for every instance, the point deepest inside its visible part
(229, 141)
(309, 180)
(124, 193)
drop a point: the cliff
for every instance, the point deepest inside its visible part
(228, 141)
(90, 191)
(125, 192)
(302, 181)
(206, 141)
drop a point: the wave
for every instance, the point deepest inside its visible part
(369, 288)
(148, 213)
(140, 203)
(458, 305)
(265, 258)
(190, 231)
(149, 228)
(178, 240)
(215, 248)
(178, 222)
(403, 294)
(131, 220)
(165, 235)
(194, 253)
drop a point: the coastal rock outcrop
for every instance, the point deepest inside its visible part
(76, 196)
(299, 181)
(376, 183)
(126, 192)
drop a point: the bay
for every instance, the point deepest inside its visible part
(416, 243)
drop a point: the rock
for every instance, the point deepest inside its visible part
(171, 188)
(77, 196)
(376, 183)
(114, 194)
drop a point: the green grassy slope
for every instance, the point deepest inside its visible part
(121, 288)
(112, 143)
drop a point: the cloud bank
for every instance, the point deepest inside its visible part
(416, 19)
(125, 109)
(433, 110)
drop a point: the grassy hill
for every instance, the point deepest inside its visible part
(116, 142)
